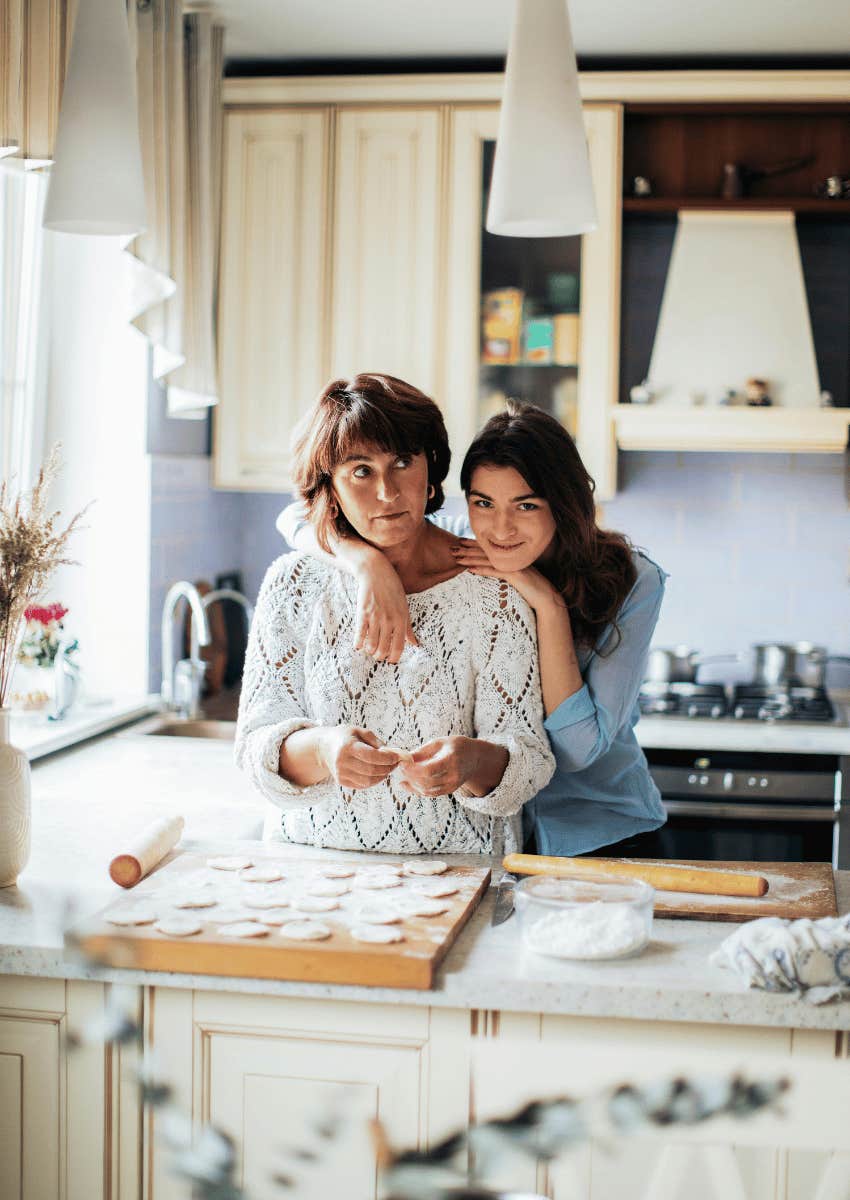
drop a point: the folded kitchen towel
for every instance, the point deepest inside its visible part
(810, 958)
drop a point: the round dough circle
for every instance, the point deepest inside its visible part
(231, 916)
(375, 882)
(376, 913)
(328, 887)
(265, 901)
(260, 875)
(315, 904)
(230, 863)
(274, 916)
(336, 871)
(244, 929)
(194, 900)
(140, 914)
(178, 926)
(425, 867)
(305, 931)
(376, 933)
(425, 907)
(436, 887)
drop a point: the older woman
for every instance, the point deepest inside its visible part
(437, 752)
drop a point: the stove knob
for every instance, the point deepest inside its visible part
(751, 782)
(728, 781)
(692, 779)
(762, 782)
(703, 780)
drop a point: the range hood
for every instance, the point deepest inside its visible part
(734, 306)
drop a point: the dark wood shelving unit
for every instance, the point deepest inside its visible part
(656, 205)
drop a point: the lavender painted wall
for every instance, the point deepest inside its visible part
(757, 547)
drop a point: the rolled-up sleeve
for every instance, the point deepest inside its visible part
(508, 705)
(584, 725)
(272, 703)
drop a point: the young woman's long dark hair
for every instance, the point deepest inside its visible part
(592, 568)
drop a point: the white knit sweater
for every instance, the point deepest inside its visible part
(474, 672)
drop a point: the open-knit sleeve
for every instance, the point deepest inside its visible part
(273, 703)
(508, 704)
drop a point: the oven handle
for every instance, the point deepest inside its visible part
(747, 812)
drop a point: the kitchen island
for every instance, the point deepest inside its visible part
(240, 1051)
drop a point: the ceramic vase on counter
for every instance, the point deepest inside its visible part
(14, 806)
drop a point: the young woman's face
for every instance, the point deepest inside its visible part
(382, 495)
(513, 526)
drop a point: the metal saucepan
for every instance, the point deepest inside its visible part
(680, 664)
(779, 663)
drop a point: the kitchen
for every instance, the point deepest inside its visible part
(743, 504)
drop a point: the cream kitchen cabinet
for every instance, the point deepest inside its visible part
(69, 1128)
(386, 265)
(352, 242)
(274, 289)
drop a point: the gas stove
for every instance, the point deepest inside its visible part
(744, 702)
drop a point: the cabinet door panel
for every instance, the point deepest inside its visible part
(269, 1091)
(273, 290)
(386, 244)
(29, 1103)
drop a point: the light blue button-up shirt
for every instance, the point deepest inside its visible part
(601, 791)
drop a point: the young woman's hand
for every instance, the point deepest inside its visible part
(382, 623)
(534, 587)
(442, 766)
(354, 757)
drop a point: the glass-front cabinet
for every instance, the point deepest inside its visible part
(534, 319)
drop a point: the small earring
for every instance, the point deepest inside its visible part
(432, 491)
(334, 509)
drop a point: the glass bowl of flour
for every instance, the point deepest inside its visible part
(593, 918)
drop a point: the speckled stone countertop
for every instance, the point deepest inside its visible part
(88, 800)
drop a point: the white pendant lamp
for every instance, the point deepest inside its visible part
(96, 182)
(541, 176)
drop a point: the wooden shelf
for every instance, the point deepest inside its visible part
(655, 205)
(777, 430)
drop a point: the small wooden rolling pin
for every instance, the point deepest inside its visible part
(664, 877)
(146, 850)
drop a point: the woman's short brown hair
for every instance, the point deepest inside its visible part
(365, 410)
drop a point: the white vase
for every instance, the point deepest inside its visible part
(14, 806)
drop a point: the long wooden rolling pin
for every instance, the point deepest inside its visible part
(665, 877)
(146, 850)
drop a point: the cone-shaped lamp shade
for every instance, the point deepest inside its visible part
(541, 176)
(96, 182)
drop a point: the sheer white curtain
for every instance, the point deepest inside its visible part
(23, 332)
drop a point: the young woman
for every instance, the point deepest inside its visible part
(438, 751)
(596, 602)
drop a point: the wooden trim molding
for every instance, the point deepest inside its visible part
(695, 86)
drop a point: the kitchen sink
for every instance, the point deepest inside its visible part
(173, 727)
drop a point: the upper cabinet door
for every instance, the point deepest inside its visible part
(534, 319)
(386, 243)
(272, 358)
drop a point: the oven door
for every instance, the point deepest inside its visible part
(736, 805)
(734, 831)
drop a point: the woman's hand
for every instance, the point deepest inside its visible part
(354, 757)
(441, 767)
(382, 622)
(533, 586)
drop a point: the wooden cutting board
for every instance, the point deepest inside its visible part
(339, 959)
(795, 890)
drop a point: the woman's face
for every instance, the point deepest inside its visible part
(514, 527)
(382, 495)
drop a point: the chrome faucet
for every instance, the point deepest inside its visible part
(181, 685)
(66, 676)
(224, 594)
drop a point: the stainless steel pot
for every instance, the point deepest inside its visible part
(680, 664)
(778, 663)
